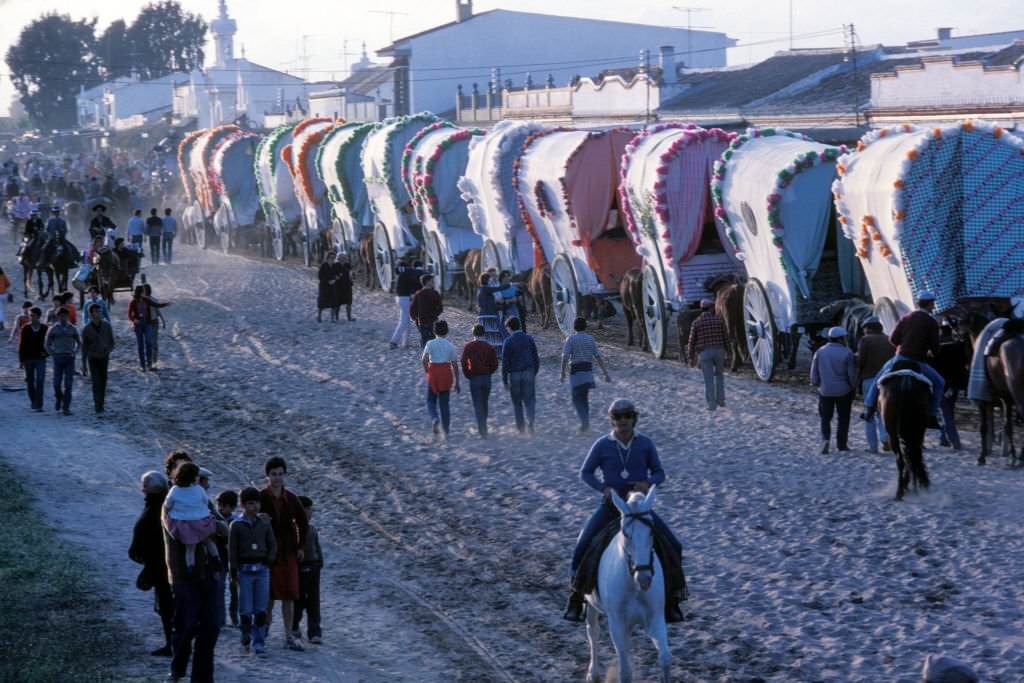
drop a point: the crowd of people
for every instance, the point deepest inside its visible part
(211, 562)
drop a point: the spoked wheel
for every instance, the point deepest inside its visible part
(224, 226)
(435, 262)
(654, 312)
(225, 239)
(564, 293)
(383, 257)
(276, 236)
(339, 239)
(760, 330)
(309, 222)
(888, 313)
(490, 257)
(200, 225)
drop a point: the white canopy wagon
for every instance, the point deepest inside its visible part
(233, 179)
(339, 166)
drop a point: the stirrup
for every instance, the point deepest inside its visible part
(575, 608)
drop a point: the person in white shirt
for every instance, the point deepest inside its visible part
(440, 364)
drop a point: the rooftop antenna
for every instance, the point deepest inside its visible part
(391, 14)
(790, 25)
(689, 29)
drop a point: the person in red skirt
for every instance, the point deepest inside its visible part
(290, 527)
(441, 366)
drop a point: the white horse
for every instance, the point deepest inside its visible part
(629, 594)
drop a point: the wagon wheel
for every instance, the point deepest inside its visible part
(276, 237)
(225, 234)
(311, 226)
(760, 330)
(654, 312)
(383, 257)
(490, 257)
(887, 314)
(200, 226)
(338, 235)
(564, 293)
(434, 260)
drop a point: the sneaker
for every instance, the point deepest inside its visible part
(259, 648)
(315, 640)
(292, 644)
(436, 427)
(66, 412)
(824, 448)
(886, 446)
(392, 345)
(721, 404)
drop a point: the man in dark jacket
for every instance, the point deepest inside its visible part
(154, 230)
(32, 356)
(952, 362)
(407, 284)
(425, 308)
(873, 350)
(309, 580)
(147, 549)
(97, 345)
(520, 364)
(479, 362)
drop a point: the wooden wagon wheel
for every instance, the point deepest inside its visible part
(383, 257)
(228, 225)
(308, 220)
(338, 234)
(490, 257)
(762, 337)
(887, 313)
(276, 237)
(565, 293)
(435, 262)
(200, 225)
(654, 312)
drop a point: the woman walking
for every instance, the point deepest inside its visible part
(343, 287)
(440, 364)
(327, 295)
(578, 356)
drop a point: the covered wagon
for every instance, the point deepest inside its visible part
(488, 190)
(233, 179)
(397, 231)
(935, 209)
(276, 187)
(310, 190)
(339, 166)
(666, 201)
(188, 188)
(200, 162)
(432, 163)
(772, 190)
(567, 183)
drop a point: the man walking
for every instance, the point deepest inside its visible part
(425, 308)
(578, 355)
(873, 350)
(169, 232)
(97, 345)
(136, 230)
(155, 231)
(479, 362)
(32, 356)
(520, 364)
(834, 372)
(407, 285)
(290, 525)
(63, 343)
(708, 347)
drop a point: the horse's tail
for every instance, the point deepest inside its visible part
(911, 433)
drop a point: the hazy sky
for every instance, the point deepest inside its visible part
(272, 30)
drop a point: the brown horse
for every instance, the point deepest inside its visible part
(728, 291)
(903, 405)
(1004, 369)
(684, 321)
(471, 276)
(366, 261)
(539, 288)
(631, 293)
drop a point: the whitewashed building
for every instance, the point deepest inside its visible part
(368, 94)
(511, 46)
(127, 102)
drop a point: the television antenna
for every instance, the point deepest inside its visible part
(689, 28)
(391, 14)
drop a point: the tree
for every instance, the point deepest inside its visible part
(53, 58)
(165, 39)
(115, 51)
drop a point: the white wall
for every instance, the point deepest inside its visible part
(503, 37)
(941, 83)
(614, 97)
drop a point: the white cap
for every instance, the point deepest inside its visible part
(837, 333)
(205, 473)
(925, 295)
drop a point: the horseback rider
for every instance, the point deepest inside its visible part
(100, 221)
(916, 338)
(34, 226)
(628, 461)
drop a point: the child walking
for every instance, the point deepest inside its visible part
(252, 549)
(309, 580)
(227, 504)
(187, 514)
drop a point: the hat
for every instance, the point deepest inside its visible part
(99, 205)
(706, 303)
(943, 669)
(621, 405)
(205, 473)
(925, 295)
(837, 332)
(871, 320)
(54, 209)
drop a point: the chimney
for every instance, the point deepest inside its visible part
(463, 10)
(945, 33)
(667, 61)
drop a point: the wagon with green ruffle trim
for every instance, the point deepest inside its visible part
(339, 166)
(772, 194)
(238, 219)
(310, 191)
(276, 187)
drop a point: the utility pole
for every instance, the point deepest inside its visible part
(790, 25)
(689, 29)
(345, 54)
(645, 69)
(391, 20)
(850, 38)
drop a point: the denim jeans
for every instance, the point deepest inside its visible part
(401, 333)
(154, 249)
(168, 242)
(938, 385)
(581, 402)
(874, 429)
(712, 365)
(144, 340)
(437, 401)
(827, 405)
(253, 596)
(63, 379)
(136, 240)
(480, 392)
(605, 514)
(949, 430)
(426, 333)
(195, 619)
(522, 386)
(35, 378)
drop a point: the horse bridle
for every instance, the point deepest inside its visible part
(647, 519)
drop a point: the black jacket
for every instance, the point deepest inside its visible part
(147, 546)
(408, 281)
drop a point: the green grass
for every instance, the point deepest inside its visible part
(55, 622)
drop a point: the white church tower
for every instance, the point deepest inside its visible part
(224, 29)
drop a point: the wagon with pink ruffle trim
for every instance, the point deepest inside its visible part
(310, 190)
(937, 209)
(397, 231)
(567, 185)
(665, 198)
(234, 181)
(206, 200)
(432, 163)
(772, 191)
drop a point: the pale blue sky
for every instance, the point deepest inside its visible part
(271, 30)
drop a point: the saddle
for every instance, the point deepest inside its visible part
(1012, 328)
(586, 575)
(905, 368)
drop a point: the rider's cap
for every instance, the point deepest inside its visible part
(205, 473)
(925, 295)
(837, 333)
(54, 209)
(99, 206)
(706, 303)
(871, 320)
(621, 405)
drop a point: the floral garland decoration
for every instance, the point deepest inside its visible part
(184, 148)
(407, 172)
(397, 124)
(424, 181)
(357, 132)
(268, 149)
(206, 146)
(308, 144)
(783, 179)
(524, 215)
